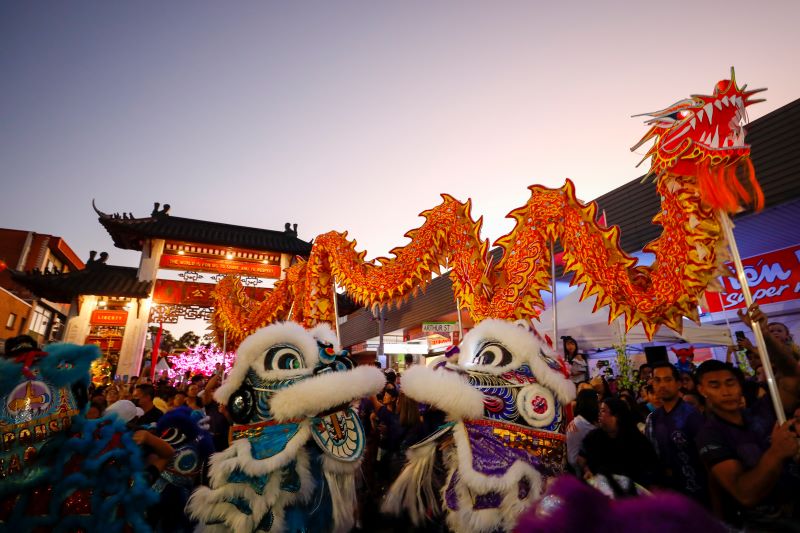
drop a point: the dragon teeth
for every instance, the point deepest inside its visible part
(717, 104)
(715, 139)
(700, 115)
(725, 101)
(709, 109)
(692, 122)
(703, 138)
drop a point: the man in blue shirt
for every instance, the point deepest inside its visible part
(672, 429)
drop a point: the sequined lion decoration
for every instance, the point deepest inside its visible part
(59, 470)
(504, 398)
(296, 443)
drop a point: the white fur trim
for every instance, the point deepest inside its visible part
(324, 334)
(252, 349)
(324, 391)
(470, 483)
(444, 389)
(212, 504)
(238, 457)
(413, 490)
(524, 348)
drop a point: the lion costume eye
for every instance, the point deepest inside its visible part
(283, 357)
(492, 354)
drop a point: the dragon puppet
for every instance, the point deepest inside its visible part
(59, 470)
(295, 443)
(701, 165)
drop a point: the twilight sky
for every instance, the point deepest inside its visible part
(349, 115)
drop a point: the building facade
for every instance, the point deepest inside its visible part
(21, 310)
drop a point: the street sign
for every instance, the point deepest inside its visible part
(439, 327)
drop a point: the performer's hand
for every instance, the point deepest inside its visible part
(784, 440)
(140, 437)
(753, 314)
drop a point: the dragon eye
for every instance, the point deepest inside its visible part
(492, 354)
(283, 357)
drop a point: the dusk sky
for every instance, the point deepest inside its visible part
(349, 115)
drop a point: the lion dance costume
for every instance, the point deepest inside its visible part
(296, 443)
(60, 471)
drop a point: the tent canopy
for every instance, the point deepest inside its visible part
(593, 332)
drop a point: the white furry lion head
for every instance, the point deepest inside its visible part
(502, 373)
(285, 372)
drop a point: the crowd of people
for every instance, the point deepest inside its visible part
(709, 433)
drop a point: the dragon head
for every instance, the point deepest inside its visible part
(705, 135)
(505, 398)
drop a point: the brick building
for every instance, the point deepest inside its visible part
(20, 310)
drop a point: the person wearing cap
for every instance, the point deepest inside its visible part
(125, 410)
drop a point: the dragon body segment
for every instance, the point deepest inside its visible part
(697, 174)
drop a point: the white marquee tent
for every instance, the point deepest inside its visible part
(593, 332)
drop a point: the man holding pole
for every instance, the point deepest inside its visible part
(752, 457)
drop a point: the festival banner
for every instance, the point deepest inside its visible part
(102, 317)
(175, 292)
(772, 277)
(222, 266)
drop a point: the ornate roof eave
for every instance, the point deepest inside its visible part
(100, 280)
(130, 233)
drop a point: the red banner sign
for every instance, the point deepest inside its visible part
(111, 344)
(772, 277)
(175, 292)
(101, 317)
(222, 266)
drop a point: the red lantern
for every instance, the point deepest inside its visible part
(3, 265)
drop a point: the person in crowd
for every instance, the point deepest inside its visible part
(782, 358)
(218, 423)
(781, 334)
(749, 457)
(179, 399)
(391, 379)
(126, 411)
(645, 373)
(600, 385)
(112, 394)
(578, 366)
(618, 447)
(386, 421)
(97, 407)
(143, 396)
(695, 400)
(687, 383)
(672, 429)
(587, 410)
(627, 396)
(193, 400)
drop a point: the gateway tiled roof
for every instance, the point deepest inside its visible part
(98, 280)
(129, 233)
